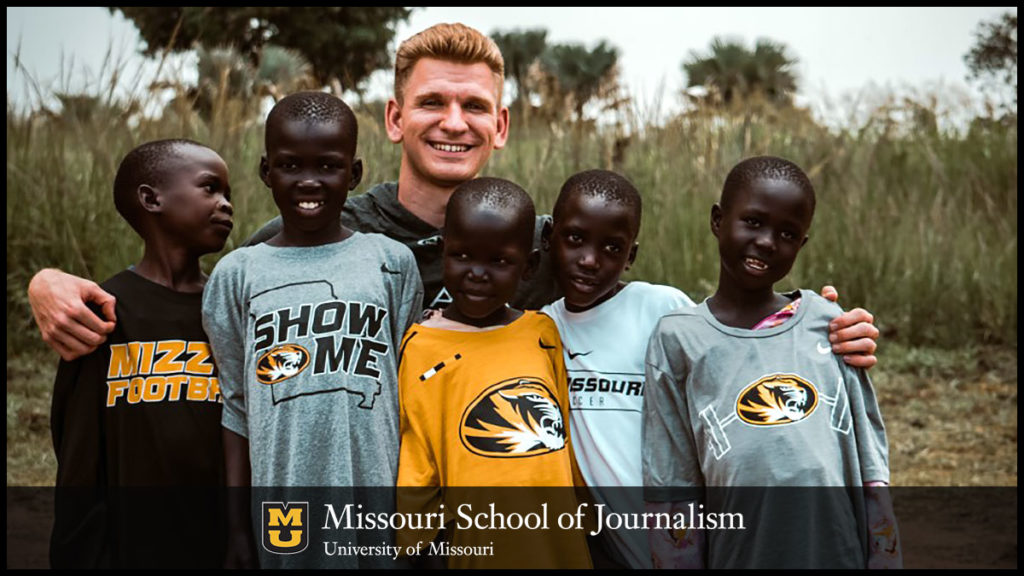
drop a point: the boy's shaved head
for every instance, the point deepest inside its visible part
(495, 196)
(750, 170)
(312, 107)
(604, 184)
(152, 164)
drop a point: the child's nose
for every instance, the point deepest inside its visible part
(766, 241)
(587, 260)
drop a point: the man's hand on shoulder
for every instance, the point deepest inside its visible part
(853, 334)
(67, 325)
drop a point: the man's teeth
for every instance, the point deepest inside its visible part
(310, 205)
(756, 264)
(451, 147)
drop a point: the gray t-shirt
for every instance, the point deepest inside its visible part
(307, 343)
(728, 407)
(379, 211)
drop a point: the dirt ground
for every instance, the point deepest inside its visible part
(951, 420)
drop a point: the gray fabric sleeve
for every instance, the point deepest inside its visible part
(224, 323)
(410, 308)
(868, 428)
(669, 454)
(268, 231)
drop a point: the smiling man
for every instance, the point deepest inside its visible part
(447, 116)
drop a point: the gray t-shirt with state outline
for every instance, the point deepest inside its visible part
(307, 343)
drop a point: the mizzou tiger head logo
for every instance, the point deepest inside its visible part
(281, 363)
(777, 399)
(513, 419)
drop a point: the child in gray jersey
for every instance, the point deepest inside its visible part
(743, 391)
(306, 327)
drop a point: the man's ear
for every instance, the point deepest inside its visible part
(501, 135)
(632, 255)
(357, 174)
(716, 218)
(265, 171)
(532, 263)
(149, 198)
(393, 120)
(545, 235)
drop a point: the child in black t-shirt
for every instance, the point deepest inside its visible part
(136, 424)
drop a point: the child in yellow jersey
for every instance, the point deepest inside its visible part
(483, 396)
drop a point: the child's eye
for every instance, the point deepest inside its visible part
(787, 235)
(752, 222)
(574, 238)
(612, 248)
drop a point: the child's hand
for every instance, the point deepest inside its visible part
(853, 334)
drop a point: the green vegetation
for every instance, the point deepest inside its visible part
(918, 225)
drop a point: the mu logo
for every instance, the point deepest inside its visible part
(776, 399)
(281, 363)
(285, 527)
(514, 418)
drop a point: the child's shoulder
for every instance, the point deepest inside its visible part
(659, 295)
(817, 310)
(390, 249)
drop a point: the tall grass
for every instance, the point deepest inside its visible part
(917, 225)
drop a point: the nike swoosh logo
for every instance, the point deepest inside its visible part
(429, 241)
(384, 268)
(824, 349)
(573, 356)
(543, 345)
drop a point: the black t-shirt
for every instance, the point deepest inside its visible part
(379, 210)
(136, 430)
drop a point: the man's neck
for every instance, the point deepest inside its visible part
(427, 201)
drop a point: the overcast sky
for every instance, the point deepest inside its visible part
(841, 50)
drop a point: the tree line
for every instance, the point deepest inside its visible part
(251, 52)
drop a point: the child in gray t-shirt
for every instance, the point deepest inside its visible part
(306, 328)
(744, 392)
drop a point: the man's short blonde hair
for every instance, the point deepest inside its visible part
(453, 42)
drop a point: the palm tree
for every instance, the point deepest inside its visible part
(580, 73)
(732, 72)
(520, 49)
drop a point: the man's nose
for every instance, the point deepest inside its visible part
(454, 118)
